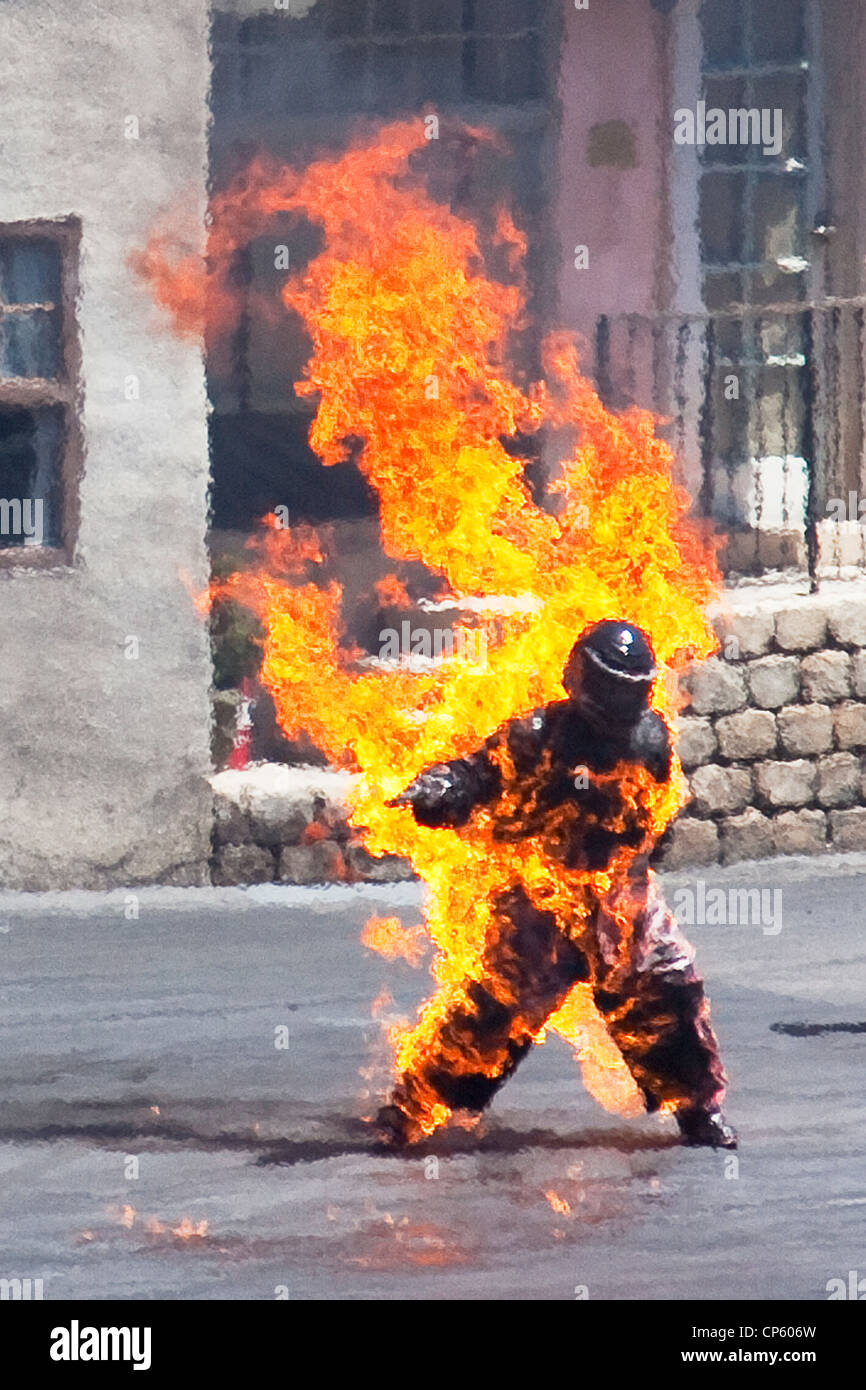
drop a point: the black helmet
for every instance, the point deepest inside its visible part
(611, 669)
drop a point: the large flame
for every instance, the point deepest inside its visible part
(410, 357)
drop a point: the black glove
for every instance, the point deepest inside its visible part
(437, 798)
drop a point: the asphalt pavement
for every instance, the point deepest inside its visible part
(184, 1076)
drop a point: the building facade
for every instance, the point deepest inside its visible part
(103, 437)
(691, 177)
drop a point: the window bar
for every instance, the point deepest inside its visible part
(756, 397)
(837, 450)
(683, 336)
(242, 276)
(630, 375)
(809, 448)
(602, 359)
(790, 447)
(470, 47)
(659, 353)
(861, 424)
(706, 422)
(834, 364)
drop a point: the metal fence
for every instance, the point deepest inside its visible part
(764, 408)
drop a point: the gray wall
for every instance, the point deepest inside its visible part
(104, 759)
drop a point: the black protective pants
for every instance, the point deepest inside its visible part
(643, 980)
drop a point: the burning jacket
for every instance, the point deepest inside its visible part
(585, 793)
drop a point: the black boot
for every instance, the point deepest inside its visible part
(706, 1127)
(394, 1129)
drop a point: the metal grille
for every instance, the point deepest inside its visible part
(772, 467)
(358, 56)
(754, 222)
(764, 387)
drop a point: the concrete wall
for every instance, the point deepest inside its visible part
(104, 762)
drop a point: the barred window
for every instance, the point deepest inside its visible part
(39, 451)
(382, 54)
(756, 189)
(754, 218)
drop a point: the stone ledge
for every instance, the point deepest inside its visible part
(282, 824)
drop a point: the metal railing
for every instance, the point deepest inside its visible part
(764, 408)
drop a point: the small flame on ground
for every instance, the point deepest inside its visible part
(394, 1242)
(186, 1229)
(559, 1204)
(389, 938)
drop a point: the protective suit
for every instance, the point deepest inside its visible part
(578, 777)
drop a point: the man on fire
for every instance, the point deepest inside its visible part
(576, 776)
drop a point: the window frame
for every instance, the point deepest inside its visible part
(62, 391)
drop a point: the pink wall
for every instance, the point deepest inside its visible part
(614, 68)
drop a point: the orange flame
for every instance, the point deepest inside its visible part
(389, 938)
(559, 1204)
(410, 355)
(127, 1216)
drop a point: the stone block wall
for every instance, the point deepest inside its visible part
(774, 739)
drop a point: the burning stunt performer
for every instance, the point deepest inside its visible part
(577, 777)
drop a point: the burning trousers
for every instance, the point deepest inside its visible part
(643, 980)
